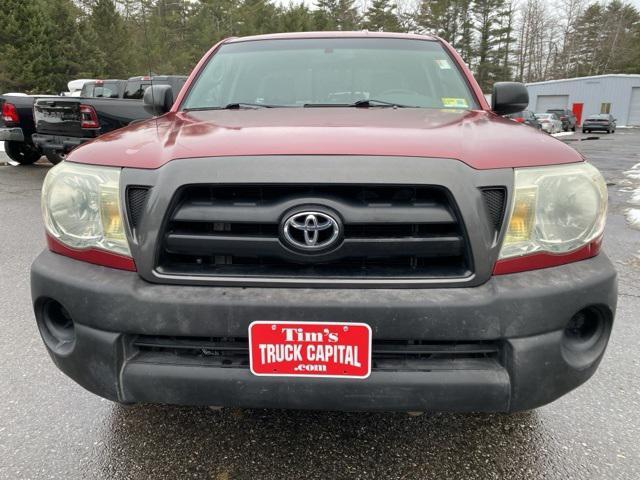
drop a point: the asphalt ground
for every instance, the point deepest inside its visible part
(50, 428)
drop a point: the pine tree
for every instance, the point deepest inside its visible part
(337, 15)
(296, 18)
(106, 23)
(381, 17)
(487, 15)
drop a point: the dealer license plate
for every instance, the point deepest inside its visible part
(303, 349)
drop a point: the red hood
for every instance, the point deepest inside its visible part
(477, 138)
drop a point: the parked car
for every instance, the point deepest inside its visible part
(567, 117)
(600, 122)
(549, 122)
(526, 117)
(63, 123)
(16, 127)
(302, 230)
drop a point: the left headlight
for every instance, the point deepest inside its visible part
(556, 210)
(81, 207)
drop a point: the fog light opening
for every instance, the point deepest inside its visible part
(585, 336)
(583, 326)
(57, 328)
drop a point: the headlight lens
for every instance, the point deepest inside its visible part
(556, 209)
(81, 207)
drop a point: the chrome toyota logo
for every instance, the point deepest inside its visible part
(311, 230)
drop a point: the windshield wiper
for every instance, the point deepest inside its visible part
(364, 103)
(372, 102)
(240, 105)
(232, 106)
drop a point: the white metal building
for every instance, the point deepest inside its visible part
(616, 94)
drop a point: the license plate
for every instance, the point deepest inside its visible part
(303, 349)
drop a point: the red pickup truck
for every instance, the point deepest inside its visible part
(327, 221)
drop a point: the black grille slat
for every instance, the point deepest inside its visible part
(251, 213)
(388, 231)
(270, 247)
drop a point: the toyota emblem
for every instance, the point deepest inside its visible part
(311, 230)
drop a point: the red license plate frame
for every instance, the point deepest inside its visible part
(310, 349)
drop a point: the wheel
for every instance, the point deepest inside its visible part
(55, 157)
(21, 152)
(573, 129)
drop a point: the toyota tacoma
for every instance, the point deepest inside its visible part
(327, 221)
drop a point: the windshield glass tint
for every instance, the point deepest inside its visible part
(299, 72)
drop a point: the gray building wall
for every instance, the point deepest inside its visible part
(590, 91)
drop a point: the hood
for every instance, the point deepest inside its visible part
(480, 139)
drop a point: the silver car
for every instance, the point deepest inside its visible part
(550, 122)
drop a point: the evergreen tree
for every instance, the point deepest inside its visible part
(381, 17)
(297, 18)
(487, 15)
(107, 26)
(337, 15)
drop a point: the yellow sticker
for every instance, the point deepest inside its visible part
(455, 103)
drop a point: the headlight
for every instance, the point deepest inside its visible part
(81, 207)
(555, 209)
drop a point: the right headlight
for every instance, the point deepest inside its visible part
(555, 209)
(81, 207)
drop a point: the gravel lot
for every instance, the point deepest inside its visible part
(52, 428)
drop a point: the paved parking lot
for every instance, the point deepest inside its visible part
(51, 428)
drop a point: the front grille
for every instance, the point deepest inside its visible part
(394, 355)
(389, 231)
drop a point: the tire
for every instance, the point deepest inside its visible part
(21, 152)
(573, 129)
(55, 157)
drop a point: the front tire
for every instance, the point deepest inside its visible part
(21, 152)
(55, 157)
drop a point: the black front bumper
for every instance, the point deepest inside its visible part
(525, 314)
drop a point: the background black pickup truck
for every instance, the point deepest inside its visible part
(16, 127)
(104, 89)
(63, 123)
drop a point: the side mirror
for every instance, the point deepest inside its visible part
(158, 99)
(509, 97)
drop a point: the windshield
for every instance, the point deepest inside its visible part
(331, 72)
